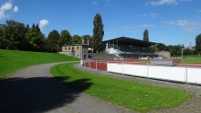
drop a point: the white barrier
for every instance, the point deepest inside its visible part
(170, 73)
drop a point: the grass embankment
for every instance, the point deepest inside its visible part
(12, 60)
(133, 95)
(191, 59)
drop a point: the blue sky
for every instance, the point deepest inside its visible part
(171, 22)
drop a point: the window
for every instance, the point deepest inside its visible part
(68, 48)
(77, 47)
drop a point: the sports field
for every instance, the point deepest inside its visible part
(191, 59)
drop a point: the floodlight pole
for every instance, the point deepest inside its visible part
(182, 53)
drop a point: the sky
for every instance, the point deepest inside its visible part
(171, 22)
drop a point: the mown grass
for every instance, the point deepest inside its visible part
(12, 60)
(133, 95)
(191, 59)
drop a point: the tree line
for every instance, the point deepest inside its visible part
(18, 36)
(175, 50)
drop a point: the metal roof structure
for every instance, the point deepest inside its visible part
(129, 41)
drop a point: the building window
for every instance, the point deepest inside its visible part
(77, 47)
(68, 48)
(65, 48)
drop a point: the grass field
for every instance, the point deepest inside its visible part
(133, 95)
(11, 60)
(191, 59)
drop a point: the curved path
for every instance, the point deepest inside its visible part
(34, 90)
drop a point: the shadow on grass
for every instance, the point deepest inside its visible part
(38, 94)
(79, 84)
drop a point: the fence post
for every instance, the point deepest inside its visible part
(147, 70)
(187, 74)
(122, 68)
(89, 63)
(96, 65)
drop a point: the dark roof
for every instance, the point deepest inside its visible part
(129, 41)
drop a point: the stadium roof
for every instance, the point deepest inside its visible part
(129, 41)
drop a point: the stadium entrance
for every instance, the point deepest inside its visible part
(129, 48)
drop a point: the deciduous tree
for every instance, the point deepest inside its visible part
(52, 41)
(198, 43)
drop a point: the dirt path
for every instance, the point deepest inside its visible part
(193, 105)
(34, 90)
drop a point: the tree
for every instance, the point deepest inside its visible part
(2, 36)
(35, 40)
(65, 38)
(98, 32)
(161, 47)
(86, 38)
(146, 35)
(52, 41)
(76, 39)
(198, 43)
(14, 34)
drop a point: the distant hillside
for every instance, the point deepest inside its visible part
(12, 60)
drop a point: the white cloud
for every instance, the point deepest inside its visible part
(146, 25)
(154, 15)
(15, 9)
(178, 22)
(43, 23)
(131, 27)
(187, 25)
(94, 2)
(166, 2)
(163, 2)
(5, 8)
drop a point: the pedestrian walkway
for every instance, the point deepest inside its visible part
(35, 90)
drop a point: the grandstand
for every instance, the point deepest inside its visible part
(127, 48)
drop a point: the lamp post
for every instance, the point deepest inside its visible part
(182, 53)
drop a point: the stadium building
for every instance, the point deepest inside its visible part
(129, 48)
(121, 48)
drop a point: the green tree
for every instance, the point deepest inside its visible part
(65, 38)
(35, 40)
(98, 32)
(198, 43)
(14, 34)
(161, 47)
(146, 35)
(2, 36)
(86, 38)
(53, 41)
(76, 39)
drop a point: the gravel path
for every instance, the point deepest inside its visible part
(193, 105)
(34, 90)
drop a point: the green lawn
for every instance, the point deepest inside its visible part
(191, 59)
(12, 60)
(133, 95)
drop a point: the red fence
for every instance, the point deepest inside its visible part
(101, 65)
